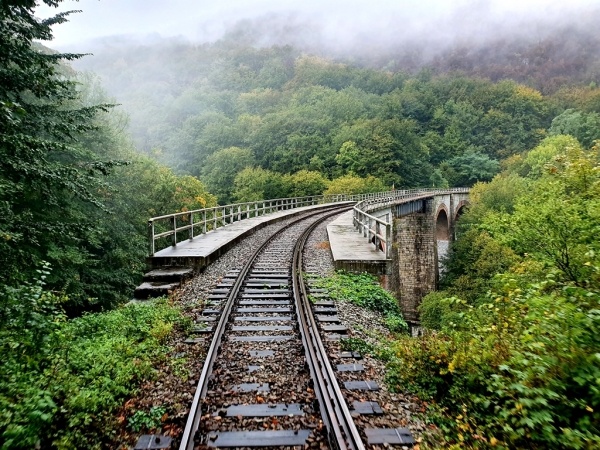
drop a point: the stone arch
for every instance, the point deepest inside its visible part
(442, 224)
(460, 209)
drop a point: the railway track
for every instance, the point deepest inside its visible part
(267, 380)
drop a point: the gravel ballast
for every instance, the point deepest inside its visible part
(172, 390)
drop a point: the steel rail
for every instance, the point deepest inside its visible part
(343, 433)
(193, 422)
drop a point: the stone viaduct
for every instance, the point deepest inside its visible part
(420, 225)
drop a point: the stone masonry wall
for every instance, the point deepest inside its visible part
(414, 261)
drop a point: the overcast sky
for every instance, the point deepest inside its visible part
(203, 20)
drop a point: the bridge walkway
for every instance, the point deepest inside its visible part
(351, 251)
(174, 263)
(207, 246)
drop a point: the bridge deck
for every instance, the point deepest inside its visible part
(350, 249)
(201, 250)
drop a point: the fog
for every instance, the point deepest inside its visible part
(332, 27)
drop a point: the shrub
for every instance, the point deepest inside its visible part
(523, 374)
(147, 420)
(61, 381)
(364, 290)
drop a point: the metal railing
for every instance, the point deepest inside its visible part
(379, 231)
(171, 229)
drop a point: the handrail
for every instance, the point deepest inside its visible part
(185, 225)
(373, 228)
(170, 229)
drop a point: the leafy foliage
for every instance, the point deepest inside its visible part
(48, 180)
(146, 420)
(514, 363)
(353, 184)
(364, 290)
(307, 182)
(583, 126)
(221, 168)
(469, 168)
(314, 114)
(72, 190)
(357, 345)
(255, 183)
(63, 380)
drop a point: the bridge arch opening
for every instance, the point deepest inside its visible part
(462, 208)
(442, 229)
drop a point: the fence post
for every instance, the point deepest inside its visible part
(191, 225)
(174, 235)
(151, 236)
(388, 240)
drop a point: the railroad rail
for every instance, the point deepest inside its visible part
(238, 401)
(267, 380)
(170, 229)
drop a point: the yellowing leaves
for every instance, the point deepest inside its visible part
(528, 93)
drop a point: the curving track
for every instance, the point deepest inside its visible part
(267, 380)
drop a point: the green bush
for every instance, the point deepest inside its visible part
(357, 345)
(439, 310)
(515, 362)
(61, 381)
(147, 420)
(524, 376)
(364, 290)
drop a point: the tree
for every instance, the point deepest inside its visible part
(469, 168)
(535, 160)
(557, 222)
(306, 182)
(255, 183)
(66, 197)
(47, 179)
(387, 149)
(352, 184)
(221, 167)
(581, 125)
(437, 179)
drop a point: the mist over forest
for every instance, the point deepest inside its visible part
(399, 40)
(278, 93)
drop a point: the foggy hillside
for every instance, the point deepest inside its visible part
(286, 98)
(543, 50)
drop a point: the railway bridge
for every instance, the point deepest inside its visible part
(398, 235)
(409, 232)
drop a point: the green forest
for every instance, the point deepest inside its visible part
(513, 360)
(87, 156)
